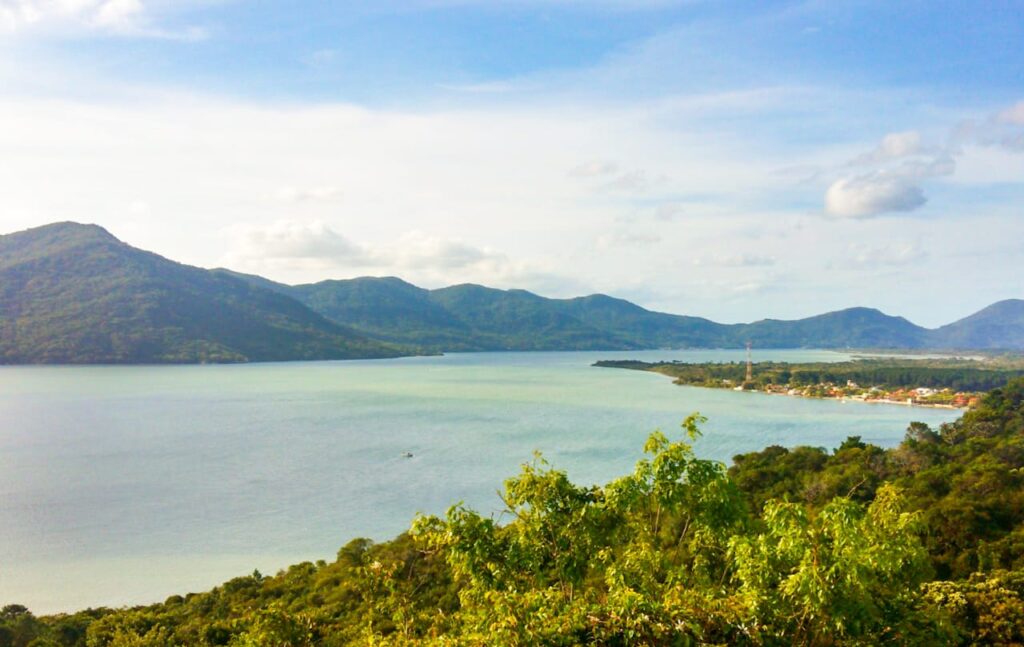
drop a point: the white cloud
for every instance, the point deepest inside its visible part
(870, 195)
(629, 181)
(287, 241)
(121, 17)
(18, 15)
(118, 15)
(309, 194)
(1004, 129)
(893, 146)
(594, 168)
(288, 246)
(1012, 115)
(743, 259)
(890, 254)
(612, 178)
(620, 239)
(417, 250)
(669, 210)
(901, 162)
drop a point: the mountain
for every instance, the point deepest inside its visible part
(999, 326)
(645, 328)
(472, 317)
(521, 320)
(458, 318)
(72, 293)
(388, 308)
(850, 328)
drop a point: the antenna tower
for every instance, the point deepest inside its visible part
(750, 366)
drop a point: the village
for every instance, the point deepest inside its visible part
(920, 396)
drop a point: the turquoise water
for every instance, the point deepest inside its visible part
(123, 485)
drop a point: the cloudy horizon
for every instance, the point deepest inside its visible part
(734, 160)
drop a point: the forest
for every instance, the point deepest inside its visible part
(957, 374)
(918, 544)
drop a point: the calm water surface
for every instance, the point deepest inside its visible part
(124, 485)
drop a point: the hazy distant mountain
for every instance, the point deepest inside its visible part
(73, 293)
(457, 318)
(472, 317)
(999, 326)
(850, 328)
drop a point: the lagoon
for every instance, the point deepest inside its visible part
(126, 484)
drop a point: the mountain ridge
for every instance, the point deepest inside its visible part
(73, 293)
(618, 324)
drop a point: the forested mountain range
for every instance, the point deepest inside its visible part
(72, 293)
(472, 317)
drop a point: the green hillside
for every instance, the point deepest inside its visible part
(849, 328)
(73, 293)
(473, 317)
(999, 326)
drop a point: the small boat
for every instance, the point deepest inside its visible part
(407, 455)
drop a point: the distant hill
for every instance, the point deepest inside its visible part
(850, 328)
(999, 326)
(72, 293)
(473, 317)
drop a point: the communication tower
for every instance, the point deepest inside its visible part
(750, 366)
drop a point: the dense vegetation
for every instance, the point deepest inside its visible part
(75, 294)
(473, 317)
(955, 374)
(919, 544)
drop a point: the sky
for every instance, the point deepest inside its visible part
(732, 160)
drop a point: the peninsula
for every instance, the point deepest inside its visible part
(948, 383)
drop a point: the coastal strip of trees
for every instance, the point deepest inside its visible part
(953, 374)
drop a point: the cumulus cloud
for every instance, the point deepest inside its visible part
(287, 245)
(287, 241)
(869, 195)
(900, 164)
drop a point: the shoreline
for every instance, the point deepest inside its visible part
(844, 400)
(901, 403)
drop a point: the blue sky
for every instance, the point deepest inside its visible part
(735, 160)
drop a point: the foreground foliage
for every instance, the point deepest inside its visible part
(919, 544)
